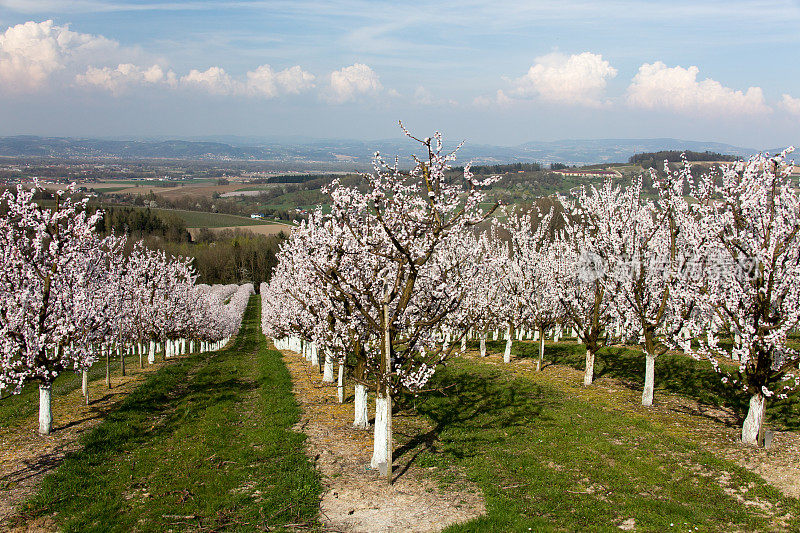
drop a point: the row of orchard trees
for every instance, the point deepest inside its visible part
(396, 277)
(708, 266)
(374, 281)
(68, 295)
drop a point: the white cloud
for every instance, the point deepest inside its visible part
(214, 80)
(31, 52)
(500, 99)
(792, 105)
(265, 82)
(117, 80)
(350, 82)
(657, 86)
(423, 96)
(577, 79)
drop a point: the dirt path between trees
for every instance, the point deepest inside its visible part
(26, 457)
(357, 499)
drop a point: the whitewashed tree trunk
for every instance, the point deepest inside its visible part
(45, 411)
(464, 343)
(483, 344)
(121, 351)
(381, 443)
(327, 372)
(507, 353)
(151, 353)
(340, 384)
(315, 359)
(649, 380)
(85, 385)
(361, 419)
(755, 417)
(588, 375)
(541, 352)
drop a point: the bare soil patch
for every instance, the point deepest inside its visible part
(356, 498)
(717, 429)
(26, 457)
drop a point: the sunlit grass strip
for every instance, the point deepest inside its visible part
(547, 462)
(206, 442)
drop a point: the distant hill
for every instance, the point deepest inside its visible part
(347, 154)
(591, 151)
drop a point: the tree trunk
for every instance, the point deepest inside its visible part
(340, 384)
(327, 373)
(122, 351)
(588, 376)
(755, 418)
(507, 353)
(314, 358)
(649, 380)
(45, 412)
(382, 445)
(151, 353)
(361, 419)
(381, 436)
(141, 357)
(85, 385)
(108, 371)
(464, 343)
(541, 352)
(483, 344)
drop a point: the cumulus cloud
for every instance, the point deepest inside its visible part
(31, 52)
(262, 82)
(500, 98)
(35, 55)
(214, 80)
(267, 83)
(792, 105)
(117, 80)
(350, 82)
(657, 86)
(578, 79)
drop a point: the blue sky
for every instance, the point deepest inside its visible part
(500, 72)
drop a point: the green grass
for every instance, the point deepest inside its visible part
(15, 408)
(675, 373)
(548, 463)
(205, 444)
(201, 219)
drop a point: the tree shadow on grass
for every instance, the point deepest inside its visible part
(474, 412)
(674, 372)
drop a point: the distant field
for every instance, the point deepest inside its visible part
(259, 229)
(182, 190)
(100, 185)
(201, 219)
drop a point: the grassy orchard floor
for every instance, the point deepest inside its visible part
(16, 408)
(551, 455)
(674, 373)
(205, 443)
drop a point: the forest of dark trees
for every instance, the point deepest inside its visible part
(219, 257)
(656, 159)
(501, 169)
